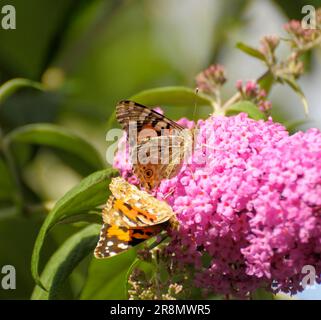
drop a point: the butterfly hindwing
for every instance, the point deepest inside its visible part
(130, 217)
(116, 239)
(165, 159)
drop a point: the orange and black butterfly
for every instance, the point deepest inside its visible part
(130, 217)
(158, 145)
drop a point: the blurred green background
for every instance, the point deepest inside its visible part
(95, 53)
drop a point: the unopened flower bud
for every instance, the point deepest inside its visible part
(211, 79)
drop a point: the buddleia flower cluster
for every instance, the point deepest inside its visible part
(248, 201)
(253, 209)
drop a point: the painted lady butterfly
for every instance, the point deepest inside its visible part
(158, 145)
(130, 217)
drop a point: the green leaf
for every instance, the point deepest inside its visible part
(64, 261)
(107, 278)
(266, 81)
(245, 106)
(294, 85)
(58, 137)
(177, 96)
(250, 51)
(88, 217)
(88, 194)
(11, 86)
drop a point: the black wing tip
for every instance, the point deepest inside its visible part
(124, 101)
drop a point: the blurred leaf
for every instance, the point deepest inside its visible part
(7, 212)
(27, 50)
(6, 183)
(11, 86)
(87, 217)
(294, 85)
(82, 34)
(248, 107)
(107, 278)
(73, 161)
(88, 194)
(266, 81)
(58, 137)
(97, 90)
(306, 58)
(17, 236)
(177, 96)
(250, 51)
(64, 261)
(29, 106)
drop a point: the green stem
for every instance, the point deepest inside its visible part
(11, 86)
(217, 104)
(129, 272)
(235, 98)
(18, 197)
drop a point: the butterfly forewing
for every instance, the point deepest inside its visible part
(147, 209)
(129, 111)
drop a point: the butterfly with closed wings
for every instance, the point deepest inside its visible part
(158, 145)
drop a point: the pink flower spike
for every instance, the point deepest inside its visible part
(252, 208)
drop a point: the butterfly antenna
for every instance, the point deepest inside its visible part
(171, 191)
